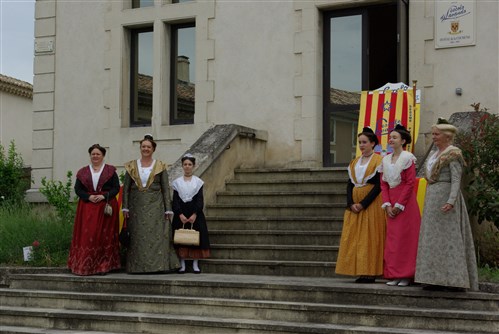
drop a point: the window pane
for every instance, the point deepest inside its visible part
(183, 78)
(142, 3)
(346, 53)
(345, 83)
(141, 77)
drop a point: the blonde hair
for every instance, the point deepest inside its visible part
(448, 129)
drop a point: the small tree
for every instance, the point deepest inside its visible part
(12, 180)
(58, 194)
(480, 148)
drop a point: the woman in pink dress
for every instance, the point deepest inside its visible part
(398, 177)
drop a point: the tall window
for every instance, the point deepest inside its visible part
(141, 76)
(183, 69)
(142, 3)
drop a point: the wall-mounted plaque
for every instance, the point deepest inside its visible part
(44, 45)
(455, 23)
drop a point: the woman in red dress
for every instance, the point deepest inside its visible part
(398, 177)
(95, 245)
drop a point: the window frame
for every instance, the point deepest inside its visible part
(174, 28)
(133, 90)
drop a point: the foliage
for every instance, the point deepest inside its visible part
(480, 148)
(488, 274)
(13, 183)
(58, 194)
(24, 225)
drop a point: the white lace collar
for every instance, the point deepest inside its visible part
(391, 171)
(187, 189)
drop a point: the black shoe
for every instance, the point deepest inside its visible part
(430, 287)
(180, 271)
(197, 271)
(364, 279)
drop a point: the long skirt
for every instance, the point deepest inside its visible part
(401, 243)
(95, 245)
(362, 238)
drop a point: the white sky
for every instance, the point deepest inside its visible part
(17, 19)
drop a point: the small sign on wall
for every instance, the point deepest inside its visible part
(454, 23)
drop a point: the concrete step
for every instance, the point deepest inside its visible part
(34, 330)
(274, 252)
(285, 174)
(333, 184)
(238, 304)
(326, 223)
(260, 287)
(303, 210)
(281, 197)
(269, 267)
(212, 309)
(130, 322)
(276, 237)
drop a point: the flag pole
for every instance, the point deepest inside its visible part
(414, 84)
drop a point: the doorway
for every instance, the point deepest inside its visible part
(364, 48)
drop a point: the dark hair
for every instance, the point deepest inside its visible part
(97, 146)
(404, 134)
(189, 157)
(369, 133)
(149, 139)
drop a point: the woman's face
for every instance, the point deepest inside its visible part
(365, 146)
(395, 140)
(187, 166)
(439, 138)
(96, 157)
(146, 149)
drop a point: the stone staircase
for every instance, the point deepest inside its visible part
(278, 222)
(274, 236)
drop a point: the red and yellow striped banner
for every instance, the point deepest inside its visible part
(382, 110)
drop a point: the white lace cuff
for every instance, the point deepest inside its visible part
(169, 213)
(400, 206)
(125, 210)
(386, 204)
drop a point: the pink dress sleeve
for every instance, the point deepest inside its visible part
(408, 179)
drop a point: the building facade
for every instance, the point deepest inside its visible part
(16, 105)
(110, 71)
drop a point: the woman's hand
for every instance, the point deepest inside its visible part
(192, 218)
(126, 214)
(447, 207)
(392, 212)
(96, 198)
(183, 219)
(169, 216)
(356, 208)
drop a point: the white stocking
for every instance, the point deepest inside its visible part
(195, 266)
(182, 264)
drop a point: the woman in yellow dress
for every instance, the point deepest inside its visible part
(364, 223)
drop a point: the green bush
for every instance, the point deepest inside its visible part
(488, 274)
(480, 149)
(24, 225)
(13, 184)
(58, 194)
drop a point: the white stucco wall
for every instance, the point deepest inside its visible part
(254, 69)
(258, 64)
(440, 71)
(16, 123)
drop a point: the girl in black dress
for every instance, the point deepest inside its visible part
(188, 209)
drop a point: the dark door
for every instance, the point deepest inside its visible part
(362, 51)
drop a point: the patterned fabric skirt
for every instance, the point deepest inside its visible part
(95, 245)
